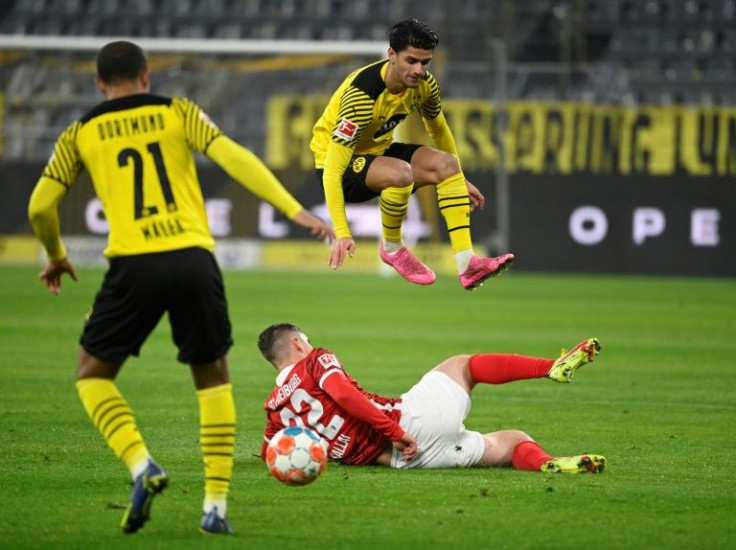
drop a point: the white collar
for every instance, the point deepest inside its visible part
(283, 374)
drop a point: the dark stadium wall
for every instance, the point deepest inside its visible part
(671, 225)
(667, 226)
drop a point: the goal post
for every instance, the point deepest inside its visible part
(196, 46)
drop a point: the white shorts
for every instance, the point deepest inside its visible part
(433, 411)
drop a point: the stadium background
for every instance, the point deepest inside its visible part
(603, 130)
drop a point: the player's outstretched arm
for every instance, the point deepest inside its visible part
(316, 226)
(247, 169)
(337, 159)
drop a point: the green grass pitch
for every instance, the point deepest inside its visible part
(659, 403)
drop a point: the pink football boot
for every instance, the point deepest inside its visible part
(479, 269)
(408, 266)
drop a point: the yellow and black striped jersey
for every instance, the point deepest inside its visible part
(138, 152)
(362, 114)
(360, 119)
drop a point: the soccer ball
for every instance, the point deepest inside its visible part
(296, 455)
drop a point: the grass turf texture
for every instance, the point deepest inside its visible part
(658, 403)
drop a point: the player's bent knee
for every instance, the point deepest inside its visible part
(499, 446)
(447, 166)
(89, 366)
(402, 176)
(517, 436)
(456, 367)
(454, 363)
(209, 375)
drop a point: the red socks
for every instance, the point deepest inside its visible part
(528, 455)
(499, 368)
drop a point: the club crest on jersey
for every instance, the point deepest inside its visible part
(346, 129)
(358, 165)
(328, 360)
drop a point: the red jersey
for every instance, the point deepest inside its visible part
(319, 394)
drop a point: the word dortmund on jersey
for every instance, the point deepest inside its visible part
(138, 152)
(362, 114)
(298, 399)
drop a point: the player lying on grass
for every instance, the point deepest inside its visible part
(424, 427)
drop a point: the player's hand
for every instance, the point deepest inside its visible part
(407, 445)
(316, 226)
(341, 249)
(51, 274)
(477, 200)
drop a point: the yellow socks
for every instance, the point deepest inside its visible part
(114, 419)
(454, 203)
(394, 204)
(217, 437)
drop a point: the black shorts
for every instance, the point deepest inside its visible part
(353, 180)
(137, 290)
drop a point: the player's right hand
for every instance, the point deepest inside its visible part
(51, 274)
(343, 247)
(407, 445)
(318, 227)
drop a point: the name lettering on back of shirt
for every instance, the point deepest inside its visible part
(129, 126)
(340, 447)
(284, 392)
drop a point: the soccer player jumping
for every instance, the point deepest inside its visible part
(424, 427)
(357, 159)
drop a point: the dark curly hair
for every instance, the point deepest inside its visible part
(411, 32)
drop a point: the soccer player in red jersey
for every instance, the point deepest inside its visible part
(424, 427)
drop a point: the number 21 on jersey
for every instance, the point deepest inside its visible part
(128, 155)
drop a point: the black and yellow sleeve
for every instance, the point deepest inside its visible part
(241, 164)
(356, 107)
(356, 112)
(59, 175)
(199, 129)
(434, 119)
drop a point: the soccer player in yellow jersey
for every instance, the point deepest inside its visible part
(137, 148)
(358, 160)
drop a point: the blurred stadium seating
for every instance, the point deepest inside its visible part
(602, 51)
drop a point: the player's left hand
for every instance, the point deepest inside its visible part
(477, 200)
(407, 445)
(51, 274)
(316, 226)
(343, 247)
